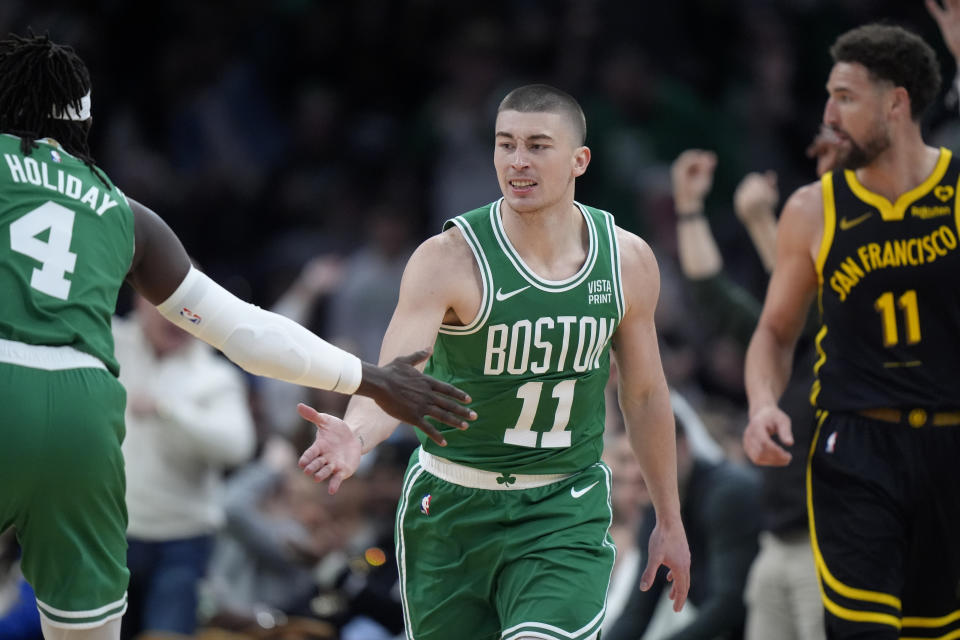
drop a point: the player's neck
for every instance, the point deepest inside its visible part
(552, 241)
(906, 164)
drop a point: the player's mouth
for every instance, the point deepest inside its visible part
(522, 185)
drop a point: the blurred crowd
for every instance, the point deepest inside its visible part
(302, 149)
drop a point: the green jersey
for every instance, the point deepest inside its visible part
(536, 358)
(66, 244)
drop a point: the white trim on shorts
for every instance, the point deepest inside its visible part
(479, 479)
(46, 611)
(48, 358)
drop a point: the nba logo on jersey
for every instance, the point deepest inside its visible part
(425, 504)
(190, 315)
(831, 442)
(55, 155)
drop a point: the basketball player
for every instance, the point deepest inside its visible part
(876, 243)
(504, 534)
(68, 240)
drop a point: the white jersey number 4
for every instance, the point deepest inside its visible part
(54, 253)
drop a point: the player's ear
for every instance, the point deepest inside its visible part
(581, 158)
(899, 103)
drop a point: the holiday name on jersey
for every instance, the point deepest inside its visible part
(39, 173)
(903, 252)
(529, 345)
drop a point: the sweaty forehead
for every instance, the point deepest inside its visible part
(521, 124)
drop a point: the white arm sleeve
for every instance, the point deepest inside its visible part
(261, 342)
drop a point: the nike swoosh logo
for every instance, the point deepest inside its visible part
(501, 296)
(849, 224)
(578, 494)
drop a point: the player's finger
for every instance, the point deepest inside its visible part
(415, 358)
(773, 454)
(323, 474)
(679, 596)
(335, 482)
(784, 432)
(452, 406)
(431, 432)
(309, 454)
(447, 417)
(451, 391)
(313, 466)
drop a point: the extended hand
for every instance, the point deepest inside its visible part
(758, 439)
(334, 454)
(669, 548)
(410, 396)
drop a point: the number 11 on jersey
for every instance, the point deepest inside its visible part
(522, 435)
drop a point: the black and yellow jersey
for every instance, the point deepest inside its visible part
(889, 295)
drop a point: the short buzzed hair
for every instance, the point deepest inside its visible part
(542, 98)
(896, 55)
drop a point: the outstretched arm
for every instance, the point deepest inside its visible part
(268, 344)
(440, 283)
(645, 402)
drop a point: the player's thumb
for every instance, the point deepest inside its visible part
(417, 357)
(649, 573)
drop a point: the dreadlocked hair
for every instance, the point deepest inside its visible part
(40, 78)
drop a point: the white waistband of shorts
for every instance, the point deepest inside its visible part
(46, 357)
(480, 479)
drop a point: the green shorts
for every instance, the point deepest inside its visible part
(485, 563)
(62, 479)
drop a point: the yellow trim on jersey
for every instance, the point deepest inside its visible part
(896, 210)
(815, 388)
(956, 206)
(823, 572)
(953, 635)
(927, 623)
(829, 222)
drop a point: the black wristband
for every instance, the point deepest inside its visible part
(690, 217)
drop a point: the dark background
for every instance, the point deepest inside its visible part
(267, 133)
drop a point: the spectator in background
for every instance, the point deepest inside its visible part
(362, 305)
(279, 526)
(187, 421)
(782, 595)
(19, 618)
(720, 507)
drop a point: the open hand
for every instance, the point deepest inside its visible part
(669, 548)
(335, 452)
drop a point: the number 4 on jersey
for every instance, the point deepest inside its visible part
(54, 254)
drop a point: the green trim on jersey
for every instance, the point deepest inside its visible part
(66, 245)
(535, 358)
